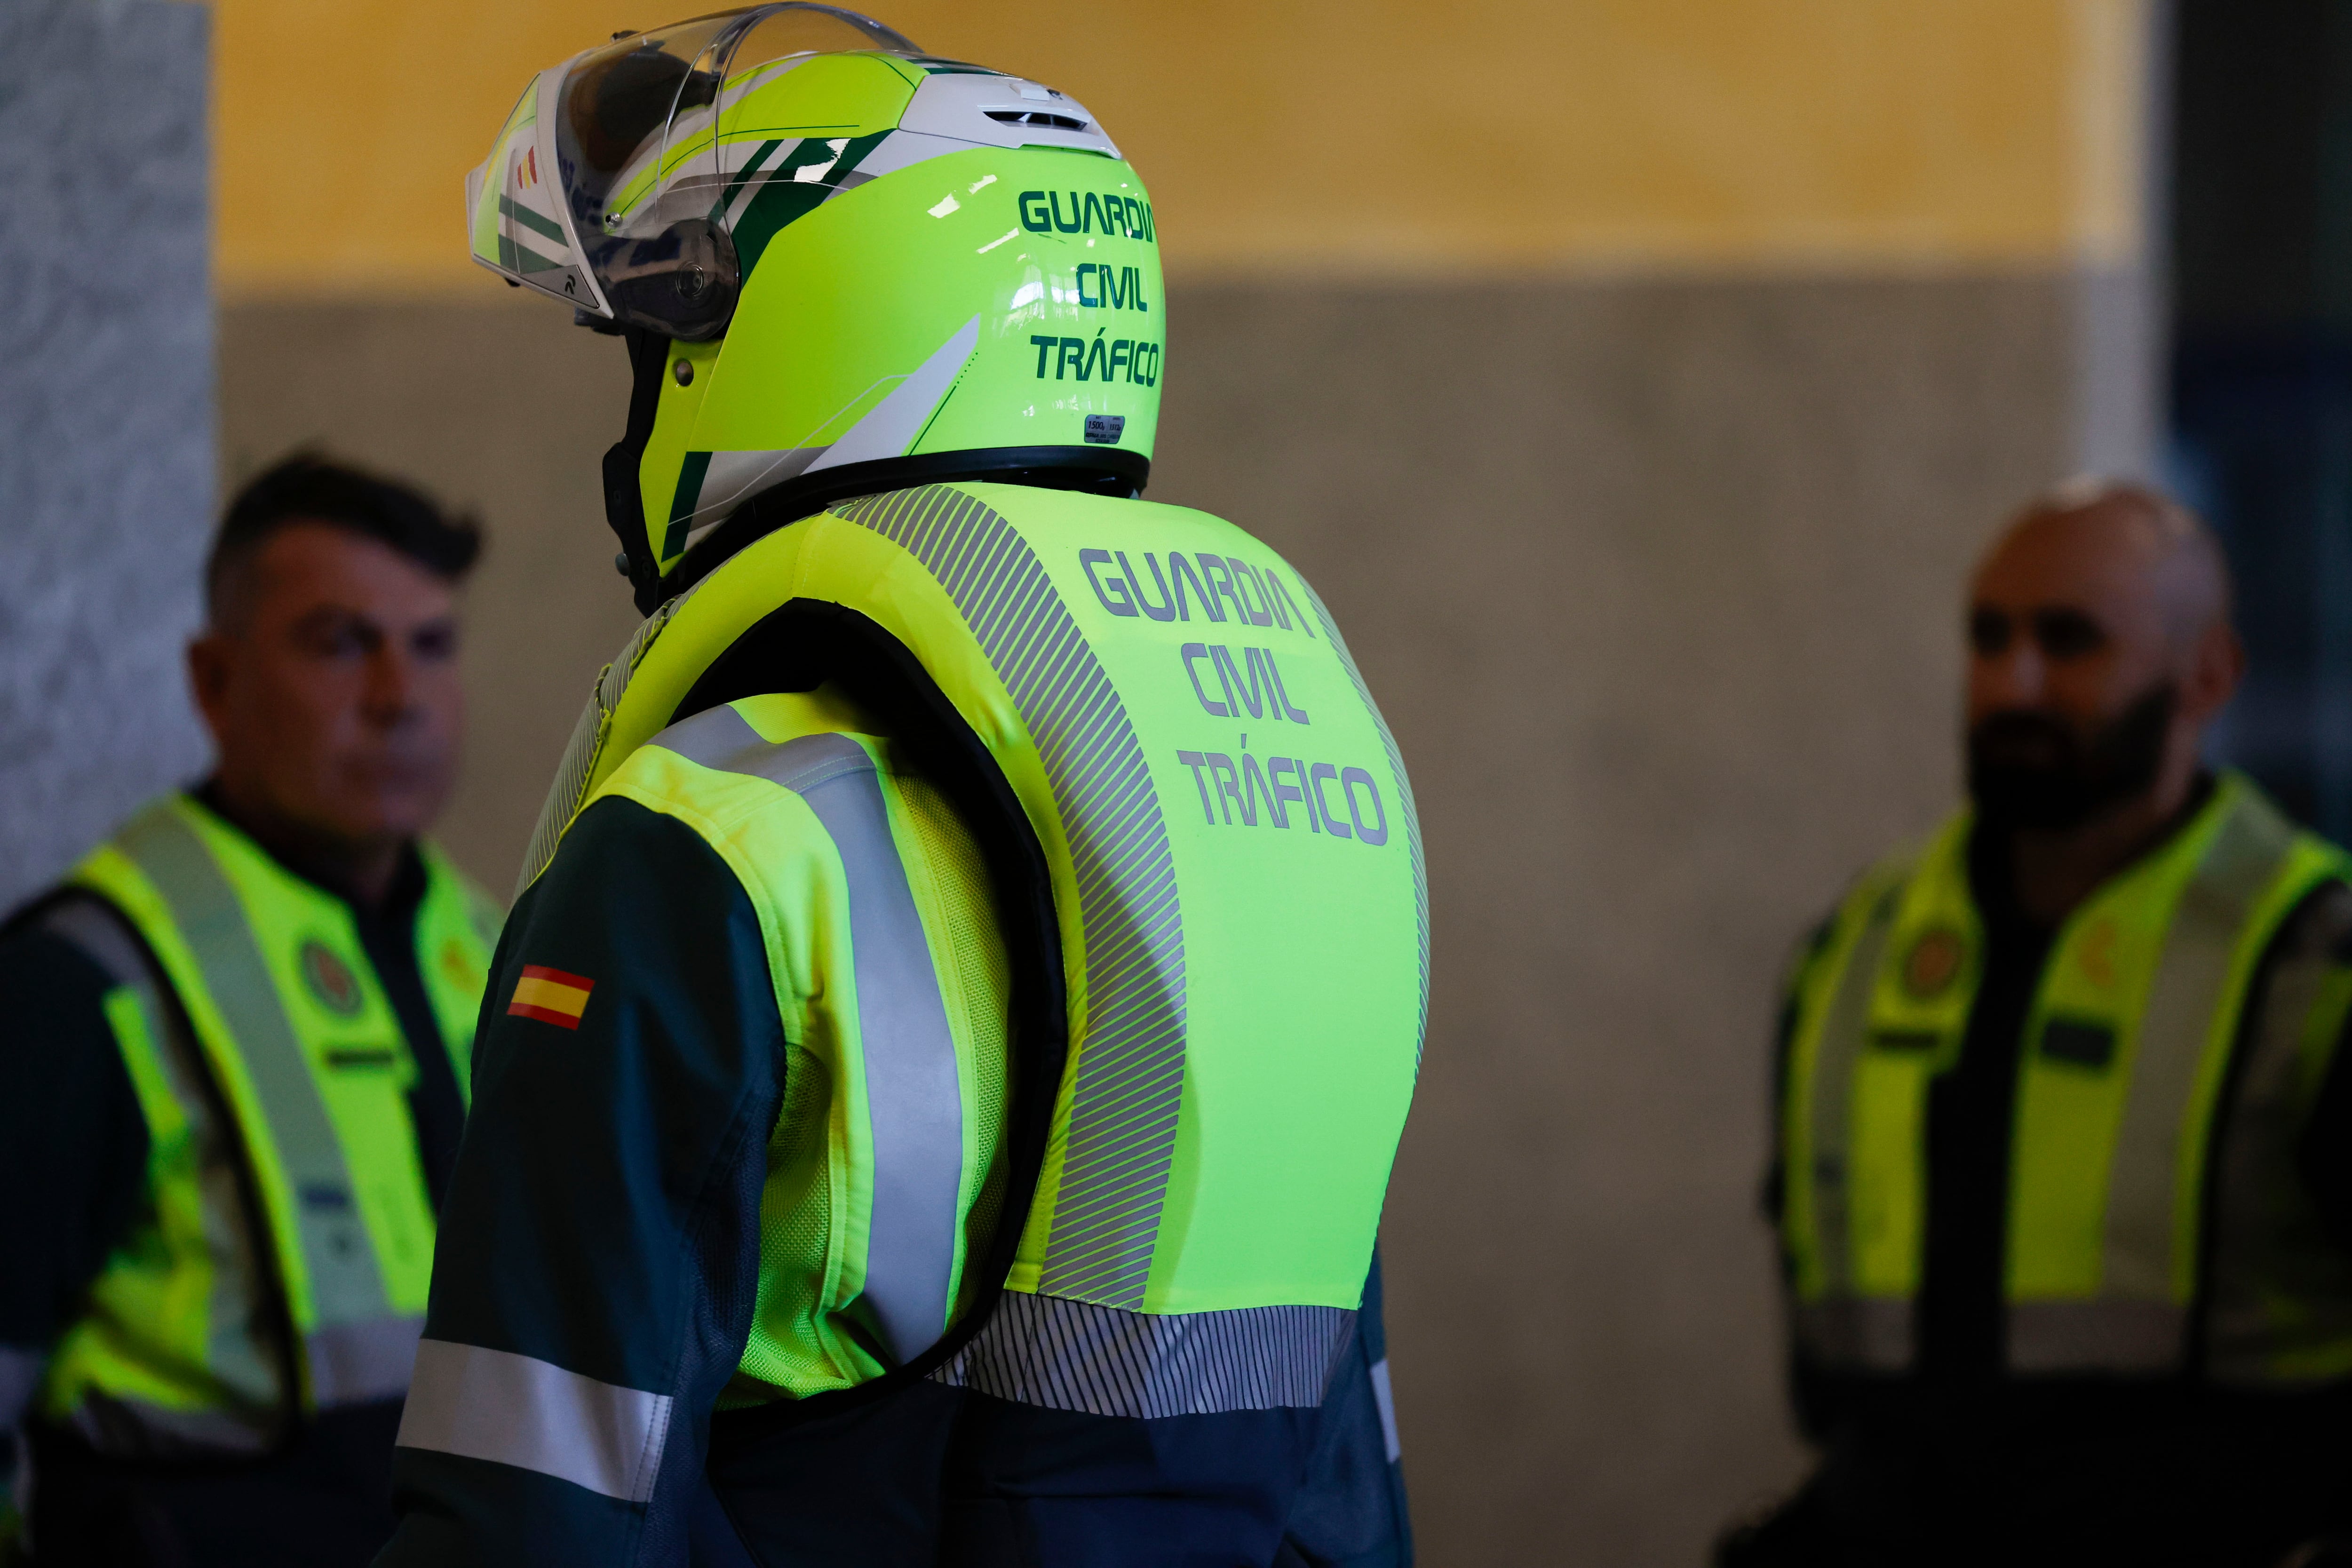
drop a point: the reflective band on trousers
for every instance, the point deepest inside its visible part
(1384, 1397)
(914, 1103)
(1105, 1361)
(518, 1410)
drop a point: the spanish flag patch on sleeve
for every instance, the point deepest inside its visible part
(551, 995)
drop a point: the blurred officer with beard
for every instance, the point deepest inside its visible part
(2063, 1142)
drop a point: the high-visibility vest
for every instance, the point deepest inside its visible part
(2134, 1062)
(1208, 869)
(296, 1044)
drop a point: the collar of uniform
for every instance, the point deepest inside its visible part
(397, 910)
(1993, 884)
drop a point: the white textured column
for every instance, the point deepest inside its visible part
(106, 414)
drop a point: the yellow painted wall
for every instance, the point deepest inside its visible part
(1371, 138)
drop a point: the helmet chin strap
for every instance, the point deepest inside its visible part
(624, 505)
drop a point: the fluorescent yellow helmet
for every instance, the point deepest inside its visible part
(843, 266)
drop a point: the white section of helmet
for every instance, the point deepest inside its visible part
(619, 168)
(536, 244)
(1003, 112)
(619, 196)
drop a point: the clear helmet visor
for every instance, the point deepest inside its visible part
(644, 170)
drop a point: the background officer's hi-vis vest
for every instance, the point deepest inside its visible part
(296, 1044)
(2134, 1054)
(1208, 874)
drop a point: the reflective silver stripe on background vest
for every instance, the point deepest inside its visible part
(914, 1100)
(345, 1286)
(1842, 1327)
(1101, 1360)
(518, 1410)
(246, 1370)
(2136, 1324)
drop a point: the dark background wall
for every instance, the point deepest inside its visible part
(2261, 244)
(1658, 584)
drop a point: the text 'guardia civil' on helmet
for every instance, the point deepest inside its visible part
(844, 266)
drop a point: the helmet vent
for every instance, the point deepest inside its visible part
(1037, 117)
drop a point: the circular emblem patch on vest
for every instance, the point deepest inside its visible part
(1933, 963)
(2096, 955)
(329, 978)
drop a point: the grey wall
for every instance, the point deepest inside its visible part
(1658, 586)
(502, 410)
(106, 400)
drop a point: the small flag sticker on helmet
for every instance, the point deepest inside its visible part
(551, 995)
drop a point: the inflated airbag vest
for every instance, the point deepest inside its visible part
(1202, 839)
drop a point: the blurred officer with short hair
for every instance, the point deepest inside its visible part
(2063, 1183)
(231, 1082)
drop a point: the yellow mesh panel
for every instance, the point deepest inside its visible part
(975, 981)
(800, 1344)
(787, 1348)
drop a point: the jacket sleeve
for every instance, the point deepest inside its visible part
(1773, 1194)
(1350, 1512)
(73, 1160)
(598, 1256)
(2322, 933)
(73, 1148)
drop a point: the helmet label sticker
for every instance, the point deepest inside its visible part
(1105, 429)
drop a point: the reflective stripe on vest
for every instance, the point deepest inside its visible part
(914, 1104)
(2279, 1304)
(2124, 1054)
(127, 1380)
(307, 1056)
(1100, 1361)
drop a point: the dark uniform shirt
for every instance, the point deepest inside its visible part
(73, 1158)
(1959, 1461)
